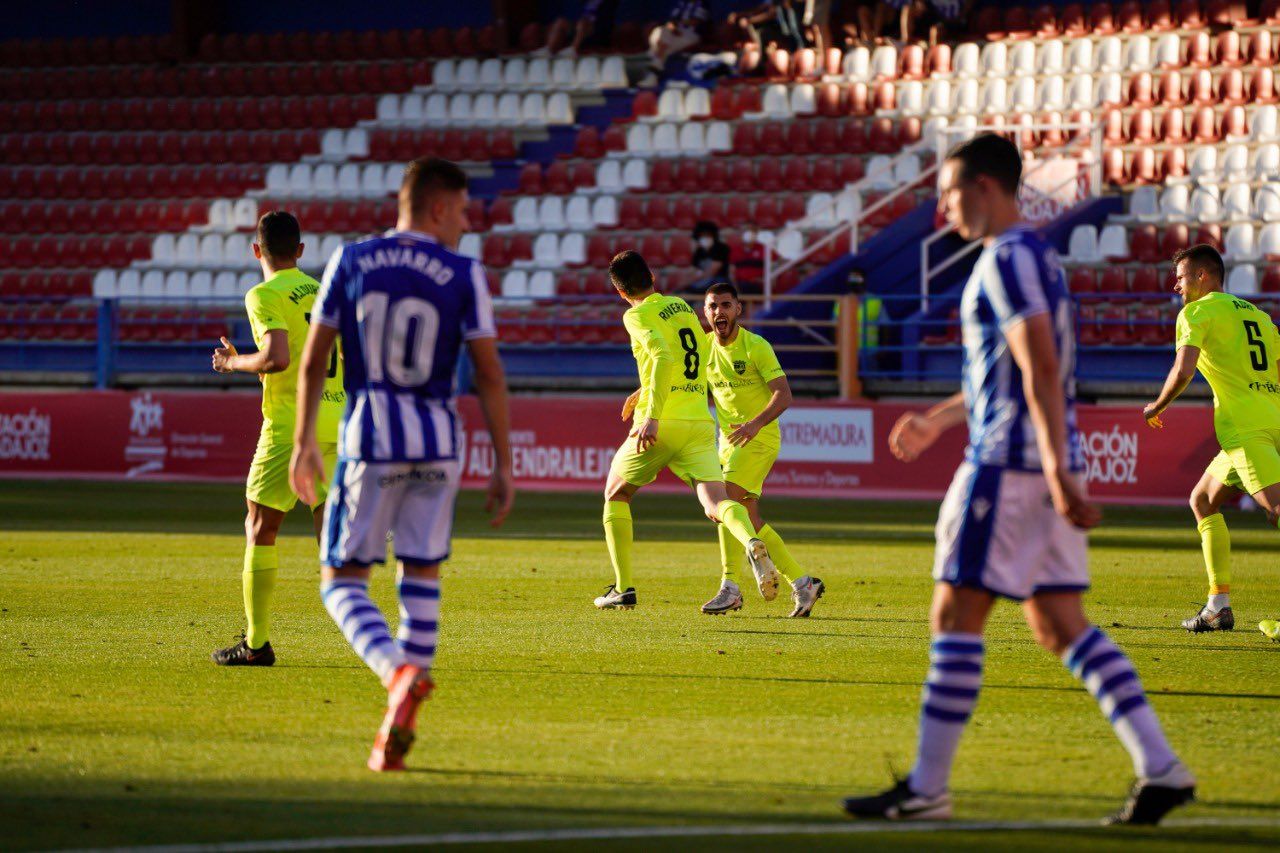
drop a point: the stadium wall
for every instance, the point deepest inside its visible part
(566, 443)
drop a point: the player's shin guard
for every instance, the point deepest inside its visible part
(1110, 677)
(419, 614)
(617, 535)
(1215, 542)
(949, 696)
(259, 583)
(737, 521)
(732, 554)
(362, 623)
(781, 555)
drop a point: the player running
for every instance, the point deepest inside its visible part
(672, 428)
(1012, 524)
(1236, 346)
(751, 392)
(279, 312)
(405, 304)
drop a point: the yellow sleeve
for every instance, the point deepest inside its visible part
(1190, 328)
(657, 380)
(264, 310)
(766, 360)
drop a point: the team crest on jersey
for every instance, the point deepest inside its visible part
(739, 367)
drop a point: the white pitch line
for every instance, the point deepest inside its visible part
(607, 834)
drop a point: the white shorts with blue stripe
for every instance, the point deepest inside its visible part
(411, 500)
(997, 530)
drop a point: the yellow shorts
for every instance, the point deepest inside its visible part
(1250, 466)
(749, 465)
(687, 447)
(268, 482)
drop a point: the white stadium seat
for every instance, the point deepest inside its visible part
(199, 285)
(164, 250)
(1110, 54)
(609, 176)
(524, 214)
(1024, 95)
(1081, 95)
(388, 109)
(537, 74)
(247, 281)
(1243, 280)
(392, 178)
(1113, 242)
(1175, 203)
(635, 175)
(515, 73)
(1240, 243)
(1206, 204)
(300, 180)
(719, 137)
(1269, 242)
(152, 286)
(546, 250)
(967, 98)
(804, 101)
(559, 109)
(186, 251)
(937, 101)
(697, 103)
(573, 251)
(373, 180)
(563, 74)
(224, 286)
(508, 109)
(670, 106)
(856, 66)
(542, 285)
(774, 102)
(1169, 51)
(910, 98)
(515, 284)
(1266, 162)
(329, 244)
(129, 284)
(604, 212)
(467, 75)
(1235, 162)
(848, 206)
(577, 213)
(587, 74)
(237, 251)
(995, 60)
(1052, 57)
(1237, 203)
(1052, 94)
(1203, 167)
(820, 210)
(1080, 57)
(1022, 59)
(484, 109)
(471, 245)
(640, 139)
(884, 62)
(444, 74)
(1082, 246)
(995, 97)
(324, 180)
(1137, 54)
(1110, 89)
(693, 140)
(277, 179)
(1264, 124)
(551, 213)
(220, 215)
(1144, 203)
(906, 171)
(613, 73)
(966, 61)
(348, 182)
(436, 109)
(879, 174)
(1266, 203)
(356, 143)
(790, 244)
(104, 284)
(666, 140)
(533, 108)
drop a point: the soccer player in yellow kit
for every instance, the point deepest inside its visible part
(751, 392)
(1236, 346)
(672, 427)
(280, 314)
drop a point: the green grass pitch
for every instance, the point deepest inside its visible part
(115, 729)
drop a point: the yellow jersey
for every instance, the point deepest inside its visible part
(740, 373)
(671, 355)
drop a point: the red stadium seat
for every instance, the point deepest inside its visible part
(631, 213)
(799, 136)
(769, 176)
(772, 140)
(1173, 239)
(1231, 89)
(1072, 21)
(1262, 87)
(683, 212)
(746, 139)
(657, 213)
(1145, 280)
(688, 175)
(1173, 126)
(1102, 19)
(1144, 245)
(1174, 164)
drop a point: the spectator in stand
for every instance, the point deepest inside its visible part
(682, 31)
(817, 24)
(935, 14)
(710, 257)
(766, 28)
(592, 29)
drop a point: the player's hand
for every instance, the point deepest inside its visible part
(647, 435)
(629, 407)
(222, 356)
(1070, 502)
(740, 434)
(1151, 414)
(912, 435)
(500, 497)
(306, 467)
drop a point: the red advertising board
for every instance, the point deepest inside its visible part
(566, 443)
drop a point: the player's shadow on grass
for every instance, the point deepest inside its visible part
(843, 682)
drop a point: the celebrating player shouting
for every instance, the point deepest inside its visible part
(751, 392)
(1236, 346)
(672, 428)
(279, 312)
(405, 304)
(1013, 522)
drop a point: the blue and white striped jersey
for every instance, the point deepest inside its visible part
(1017, 276)
(403, 305)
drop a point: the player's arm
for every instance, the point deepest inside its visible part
(629, 404)
(1031, 343)
(272, 358)
(657, 379)
(490, 382)
(307, 464)
(766, 362)
(914, 433)
(1180, 376)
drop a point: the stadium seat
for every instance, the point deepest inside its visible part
(1082, 246)
(1243, 280)
(1240, 244)
(1112, 244)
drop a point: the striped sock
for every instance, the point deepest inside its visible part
(419, 613)
(362, 623)
(1110, 677)
(950, 692)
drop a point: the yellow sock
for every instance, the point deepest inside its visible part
(781, 556)
(259, 583)
(731, 554)
(1215, 541)
(735, 518)
(618, 535)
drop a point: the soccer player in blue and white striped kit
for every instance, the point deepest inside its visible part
(404, 305)
(1013, 523)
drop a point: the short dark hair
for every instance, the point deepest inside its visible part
(425, 177)
(1202, 256)
(724, 287)
(629, 273)
(706, 226)
(992, 155)
(279, 234)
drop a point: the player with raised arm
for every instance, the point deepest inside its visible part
(1013, 523)
(404, 304)
(1236, 346)
(751, 392)
(672, 428)
(279, 312)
